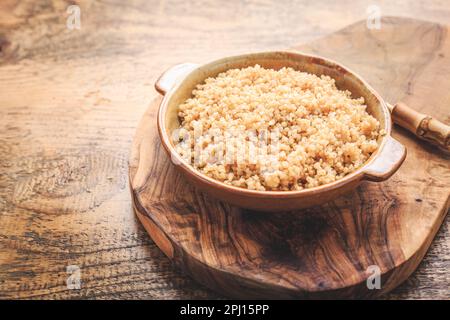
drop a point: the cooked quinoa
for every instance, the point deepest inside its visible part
(265, 129)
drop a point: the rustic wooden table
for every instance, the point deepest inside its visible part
(70, 101)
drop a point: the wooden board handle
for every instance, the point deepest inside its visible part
(422, 125)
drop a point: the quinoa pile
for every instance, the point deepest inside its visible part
(265, 129)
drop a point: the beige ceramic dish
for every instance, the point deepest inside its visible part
(177, 84)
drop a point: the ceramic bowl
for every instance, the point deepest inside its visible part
(177, 83)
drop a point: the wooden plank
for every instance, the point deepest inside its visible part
(71, 99)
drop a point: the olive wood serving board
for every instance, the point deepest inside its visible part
(321, 252)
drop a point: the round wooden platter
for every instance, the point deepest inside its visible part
(326, 251)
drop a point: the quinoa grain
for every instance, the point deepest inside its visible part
(315, 133)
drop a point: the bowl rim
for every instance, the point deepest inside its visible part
(358, 174)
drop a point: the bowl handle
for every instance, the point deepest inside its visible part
(168, 79)
(387, 162)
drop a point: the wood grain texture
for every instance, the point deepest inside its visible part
(70, 102)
